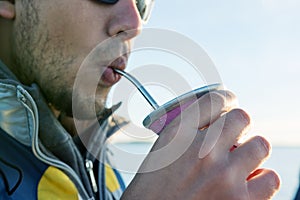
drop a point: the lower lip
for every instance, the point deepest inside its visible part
(109, 77)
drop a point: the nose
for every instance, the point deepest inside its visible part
(125, 19)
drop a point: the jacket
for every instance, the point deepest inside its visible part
(40, 160)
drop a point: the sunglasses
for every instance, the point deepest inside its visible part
(144, 7)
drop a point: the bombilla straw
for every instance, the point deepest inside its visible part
(139, 86)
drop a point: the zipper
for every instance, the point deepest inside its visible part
(90, 170)
(23, 96)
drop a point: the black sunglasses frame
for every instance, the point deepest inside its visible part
(144, 9)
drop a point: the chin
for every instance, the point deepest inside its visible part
(87, 109)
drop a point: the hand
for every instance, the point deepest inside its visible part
(207, 168)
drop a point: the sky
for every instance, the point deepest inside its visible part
(255, 46)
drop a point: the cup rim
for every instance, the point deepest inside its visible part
(180, 100)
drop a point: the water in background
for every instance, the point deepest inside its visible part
(285, 160)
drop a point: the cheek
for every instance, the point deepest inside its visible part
(75, 26)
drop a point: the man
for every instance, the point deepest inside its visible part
(43, 43)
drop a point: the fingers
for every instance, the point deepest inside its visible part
(7, 10)
(205, 111)
(263, 184)
(249, 155)
(224, 133)
(200, 114)
(209, 107)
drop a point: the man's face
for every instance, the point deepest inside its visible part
(52, 39)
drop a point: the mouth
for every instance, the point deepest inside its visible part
(109, 76)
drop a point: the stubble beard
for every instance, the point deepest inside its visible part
(35, 57)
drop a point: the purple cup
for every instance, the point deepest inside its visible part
(162, 116)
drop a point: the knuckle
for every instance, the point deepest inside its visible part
(224, 98)
(227, 94)
(217, 99)
(274, 180)
(241, 116)
(260, 148)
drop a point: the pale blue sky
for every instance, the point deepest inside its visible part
(255, 46)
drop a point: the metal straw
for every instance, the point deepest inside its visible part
(139, 86)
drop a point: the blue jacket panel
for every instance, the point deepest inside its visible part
(20, 171)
